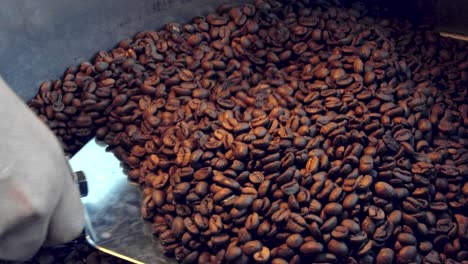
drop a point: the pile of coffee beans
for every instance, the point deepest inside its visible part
(284, 132)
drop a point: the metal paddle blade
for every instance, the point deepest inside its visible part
(112, 206)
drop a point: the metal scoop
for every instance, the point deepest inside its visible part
(112, 207)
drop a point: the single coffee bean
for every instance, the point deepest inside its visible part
(294, 241)
(340, 232)
(384, 190)
(279, 261)
(252, 247)
(385, 256)
(407, 254)
(334, 209)
(256, 177)
(311, 247)
(338, 248)
(262, 256)
(243, 201)
(233, 253)
(350, 201)
(366, 164)
(290, 188)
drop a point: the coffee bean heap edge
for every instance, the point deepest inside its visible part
(283, 132)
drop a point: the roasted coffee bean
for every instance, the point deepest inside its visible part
(338, 248)
(350, 200)
(290, 188)
(243, 201)
(407, 254)
(385, 256)
(279, 261)
(295, 241)
(333, 209)
(252, 221)
(384, 190)
(178, 227)
(262, 256)
(311, 247)
(226, 182)
(233, 253)
(222, 194)
(329, 224)
(340, 232)
(256, 177)
(406, 239)
(252, 247)
(366, 164)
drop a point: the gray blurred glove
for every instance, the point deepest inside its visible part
(39, 202)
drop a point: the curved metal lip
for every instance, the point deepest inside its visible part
(110, 252)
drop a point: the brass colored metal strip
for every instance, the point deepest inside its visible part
(110, 252)
(455, 36)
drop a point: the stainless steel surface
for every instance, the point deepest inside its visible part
(113, 222)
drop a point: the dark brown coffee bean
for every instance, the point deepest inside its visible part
(325, 257)
(333, 209)
(279, 261)
(376, 214)
(159, 198)
(383, 232)
(295, 241)
(181, 189)
(243, 201)
(340, 233)
(215, 224)
(262, 256)
(220, 239)
(406, 239)
(407, 254)
(366, 164)
(203, 173)
(350, 200)
(329, 224)
(385, 256)
(425, 246)
(244, 235)
(256, 177)
(233, 253)
(252, 247)
(226, 182)
(338, 248)
(311, 247)
(252, 221)
(384, 190)
(178, 227)
(290, 188)
(222, 194)
(264, 228)
(240, 150)
(272, 167)
(296, 223)
(280, 215)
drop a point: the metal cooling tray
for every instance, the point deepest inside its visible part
(112, 208)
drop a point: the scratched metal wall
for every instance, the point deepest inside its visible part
(40, 38)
